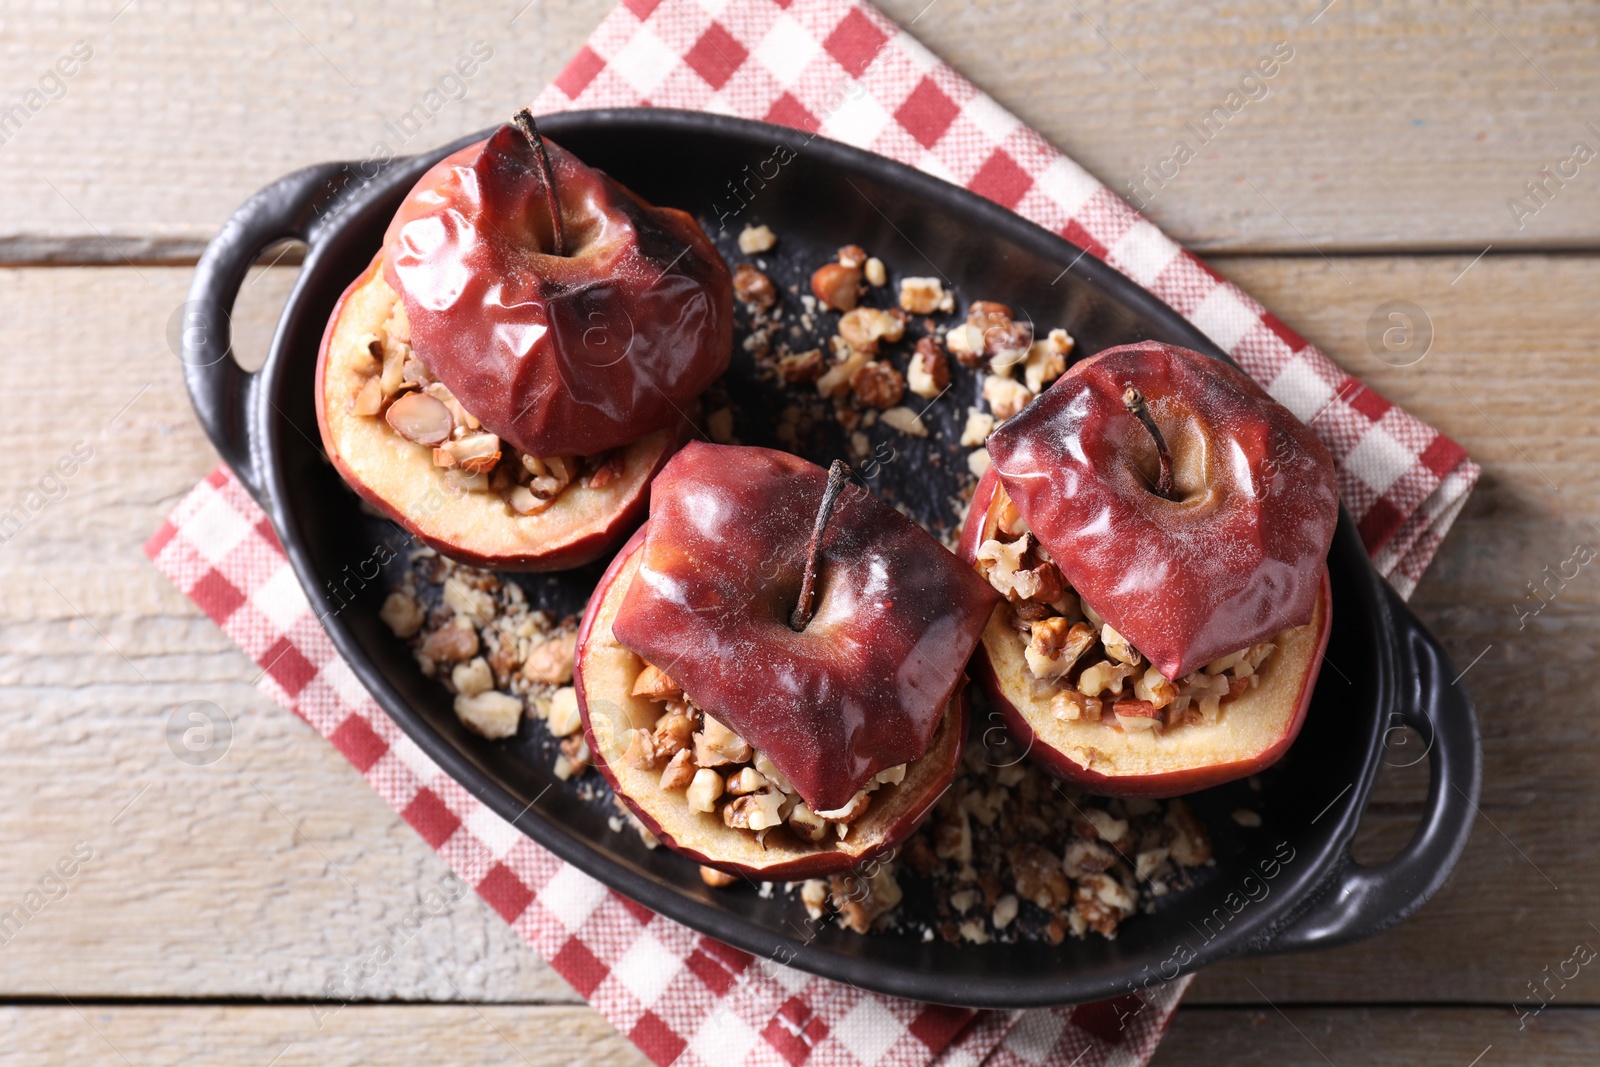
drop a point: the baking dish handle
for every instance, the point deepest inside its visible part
(221, 390)
(1361, 901)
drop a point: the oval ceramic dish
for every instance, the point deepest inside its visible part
(1383, 669)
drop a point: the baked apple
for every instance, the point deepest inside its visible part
(522, 356)
(771, 674)
(1167, 605)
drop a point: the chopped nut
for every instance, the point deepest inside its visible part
(747, 780)
(673, 733)
(835, 381)
(716, 745)
(754, 240)
(924, 296)
(420, 418)
(1005, 910)
(973, 930)
(575, 750)
(1070, 705)
(1046, 361)
(1005, 341)
(550, 662)
(753, 287)
(876, 275)
(475, 453)
(1038, 876)
(807, 824)
(1247, 818)
(472, 678)
(368, 399)
(1103, 902)
(952, 838)
(1190, 844)
(837, 286)
(402, 614)
(452, 643)
(929, 372)
(850, 812)
(864, 327)
(492, 714)
(704, 789)
(906, 421)
(756, 812)
(563, 717)
(1153, 686)
(801, 367)
(1004, 396)
(878, 384)
(1086, 857)
(770, 772)
(852, 256)
(965, 342)
(861, 901)
(653, 684)
(980, 424)
(1118, 648)
(1055, 646)
(680, 771)
(1108, 827)
(814, 895)
(470, 603)
(1103, 677)
(641, 752)
(716, 879)
(978, 462)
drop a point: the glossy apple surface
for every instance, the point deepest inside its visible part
(1256, 729)
(604, 674)
(1236, 558)
(400, 478)
(559, 355)
(864, 687)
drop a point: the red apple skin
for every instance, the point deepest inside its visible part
(1159, 786)
(864, 687)
(779, 863)
(586, 547)
(1235, 559)
(559, 355)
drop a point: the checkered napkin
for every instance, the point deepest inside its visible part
(839, 69)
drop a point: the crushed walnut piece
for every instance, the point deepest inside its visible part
(720, 773)
(1094, 668)
(400, 390)
(499, 659)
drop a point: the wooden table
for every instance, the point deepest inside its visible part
(220, 902)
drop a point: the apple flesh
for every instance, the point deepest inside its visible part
(560, 355)
(400, 478)
(604, 674)
(863, 687)
(1235, 556)
(1256, 728)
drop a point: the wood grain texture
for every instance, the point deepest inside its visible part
(1393, 126)
(89, 1035)
(1317, 1037)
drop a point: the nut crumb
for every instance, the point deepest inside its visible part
(754, 240)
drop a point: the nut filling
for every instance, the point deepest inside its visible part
(718, 772)
(400, 390)
(1096, 674)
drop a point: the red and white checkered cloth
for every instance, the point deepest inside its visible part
(838, 68)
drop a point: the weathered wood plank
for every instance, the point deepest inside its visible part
(1316, 1037)
(202, 888)
(311, 1036)
(1390, 127)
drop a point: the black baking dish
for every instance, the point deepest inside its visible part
(1290, 884)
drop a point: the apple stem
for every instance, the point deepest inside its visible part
(1133, 400)
(803, 611)
(523, 120)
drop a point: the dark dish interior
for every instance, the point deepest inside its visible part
(823, 197)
